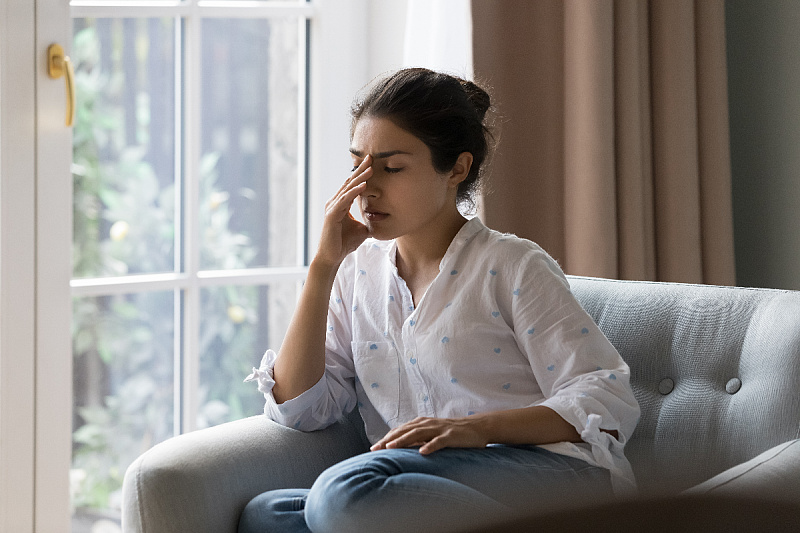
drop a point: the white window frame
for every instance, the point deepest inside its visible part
(17, 266)
(35, 217)
(329, 21)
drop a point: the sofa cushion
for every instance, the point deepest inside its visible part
(715, 371)
(774, 475)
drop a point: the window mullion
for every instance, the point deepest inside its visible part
(303, 257)
(190, 356)
(177, 343)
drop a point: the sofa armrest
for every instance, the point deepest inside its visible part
(200, 482)
(772, 475)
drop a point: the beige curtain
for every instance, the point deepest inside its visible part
(613, 151)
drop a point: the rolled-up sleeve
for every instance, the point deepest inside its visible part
(581, 374)
(334, 394)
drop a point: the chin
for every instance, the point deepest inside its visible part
(380, 234)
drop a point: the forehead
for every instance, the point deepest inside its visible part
(373, 135)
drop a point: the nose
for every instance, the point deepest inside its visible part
(373, 188)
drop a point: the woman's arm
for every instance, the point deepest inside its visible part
(528, 425)
(301, 360)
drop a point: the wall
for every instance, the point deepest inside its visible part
(763, 40)
(385, 36)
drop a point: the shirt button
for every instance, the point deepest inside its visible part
(410, 354)
(422, 397)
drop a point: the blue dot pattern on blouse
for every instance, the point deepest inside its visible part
(491, 318)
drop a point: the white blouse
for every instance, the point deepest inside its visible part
(497, 329)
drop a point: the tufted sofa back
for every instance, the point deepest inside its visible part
(716, 371)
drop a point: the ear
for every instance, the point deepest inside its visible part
(460, 169)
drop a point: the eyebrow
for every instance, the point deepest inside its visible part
(379, 155)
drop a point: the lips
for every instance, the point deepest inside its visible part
(371, 213)
(375, 216)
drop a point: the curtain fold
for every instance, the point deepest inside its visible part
(614, 148)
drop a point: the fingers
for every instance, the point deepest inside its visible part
(433, 434)
(413, 437)
(418, 432)
(350, 190)
(435, 444)
(341, 203)
(341, 233)
(357, 176)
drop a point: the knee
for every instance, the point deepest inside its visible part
(328, 504)
(253, 519)
(277, 510)
(338, 500)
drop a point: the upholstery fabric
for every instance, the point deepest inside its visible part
(700, 337)
(200, 482)
(716, 371)
(767, 476)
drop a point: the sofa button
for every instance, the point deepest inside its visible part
(733, 385)
(666, 386)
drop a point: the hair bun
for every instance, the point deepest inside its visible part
(478, 97)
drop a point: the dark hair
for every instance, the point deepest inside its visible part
(445, 112)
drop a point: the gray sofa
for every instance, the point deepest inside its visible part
(716, 371)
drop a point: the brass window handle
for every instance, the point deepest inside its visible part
(59, 65)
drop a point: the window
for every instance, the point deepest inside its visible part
(194, 176)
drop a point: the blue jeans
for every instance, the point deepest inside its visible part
(450, 490)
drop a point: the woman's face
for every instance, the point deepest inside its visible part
(405, 195)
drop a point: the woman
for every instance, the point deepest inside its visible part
(483, 385)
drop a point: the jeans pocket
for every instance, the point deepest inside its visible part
(377, 367)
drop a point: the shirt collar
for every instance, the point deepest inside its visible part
(464, 235)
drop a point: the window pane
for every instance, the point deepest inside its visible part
(123, 147)
(123, 392)
(249, 167)
(238, 325)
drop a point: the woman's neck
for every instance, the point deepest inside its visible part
(417, 254)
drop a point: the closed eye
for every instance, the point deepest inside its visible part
(391, 170)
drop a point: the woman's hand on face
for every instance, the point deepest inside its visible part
(341, 233)
(433, 434)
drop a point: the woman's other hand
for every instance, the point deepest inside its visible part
(432, 434)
